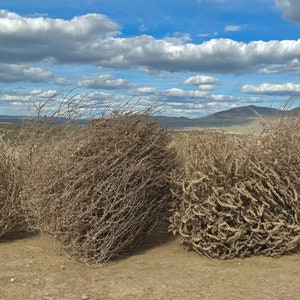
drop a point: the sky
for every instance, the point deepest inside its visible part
(187, 57)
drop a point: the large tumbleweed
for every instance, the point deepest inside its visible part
(10, 186)
(237, 197)
(101, 187)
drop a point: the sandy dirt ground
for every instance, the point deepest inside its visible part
(34, 267)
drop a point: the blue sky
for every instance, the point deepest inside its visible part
(189, 57)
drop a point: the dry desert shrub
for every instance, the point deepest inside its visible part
(10, 186)
(101, 189)
(237, 197)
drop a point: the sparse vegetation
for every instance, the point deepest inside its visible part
(100, 188)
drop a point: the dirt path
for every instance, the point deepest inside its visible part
(34, 268)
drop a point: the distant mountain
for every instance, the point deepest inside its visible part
(12, 119)
(245, 112)
(21, 119)
(235, 116)
(175, 122)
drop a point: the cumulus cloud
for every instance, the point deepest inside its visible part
(205, 83)
(18, 73)
(78, 27)
(217, 55)
(176, 92)
(191, 96)
(195, 109)
(106, 81)
(201, 79)
(42, 93)
(11, 73)
(91, 39)
(293, 66)
(172, 101)
(16, 100)
(62, 80)
(34, 39)
(290, 9)
(144, 91)
(284, 89)
(206, 87)
(37, 74)
(191, 103)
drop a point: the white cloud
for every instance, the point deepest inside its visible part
(221, 97)
(195, 109)
(62, 80)
(201, 79)
(19, 72)
(90, 39)
(205, 83)
(42, 93)
(176, 92)
(176, 101)
(11, 73)
(35, 39)
(290, 9)
(232, 28)
(37, 74)
(90, 24)
(215, 56)
(144, 91)
(191, 96)
(292, 66)
(18, 101)
(206, 87)
(182, 37)
(106, 81)
(286, 89)
(172, 101)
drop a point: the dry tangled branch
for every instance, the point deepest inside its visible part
(99, 190)
(237, 197)
(10, 186)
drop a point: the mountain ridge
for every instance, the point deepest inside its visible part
(235, 116)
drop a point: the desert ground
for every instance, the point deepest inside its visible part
(35, 267)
